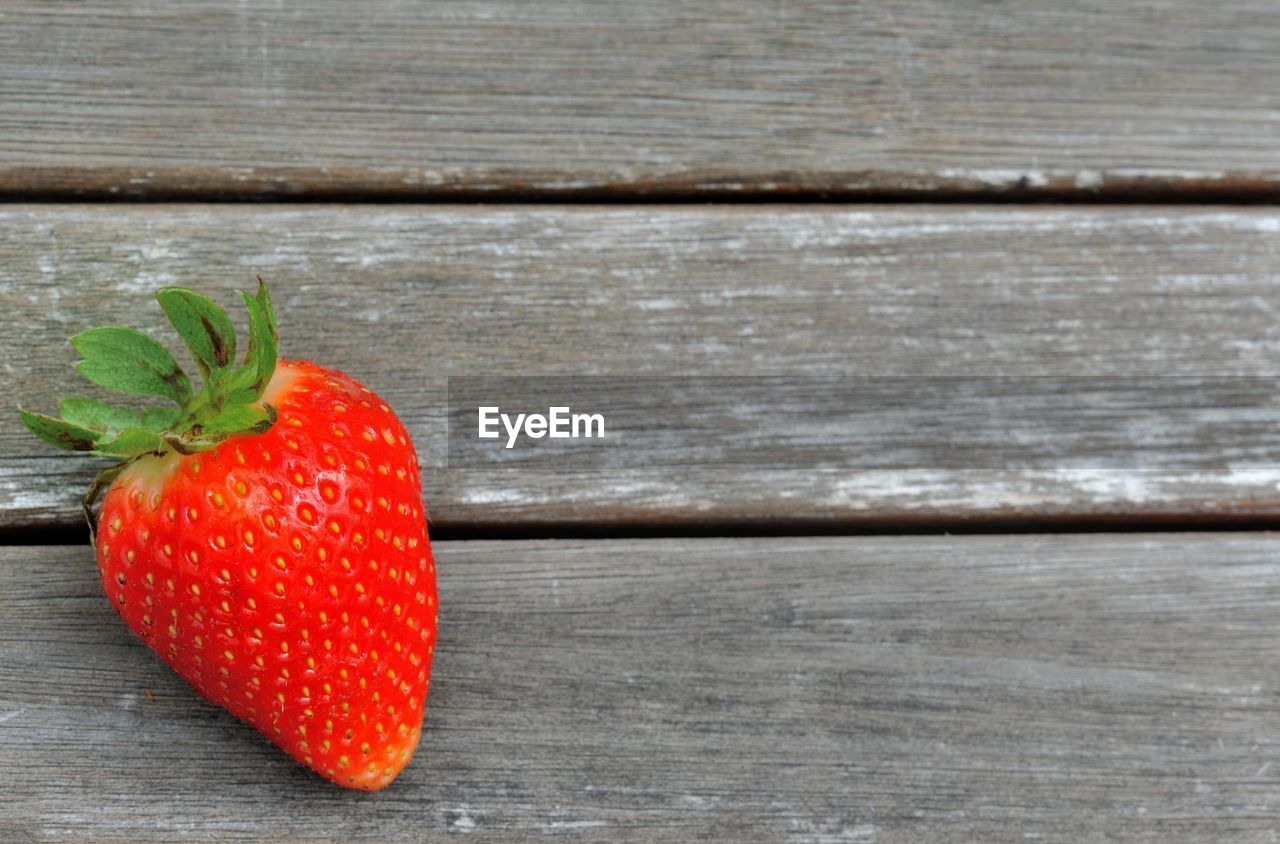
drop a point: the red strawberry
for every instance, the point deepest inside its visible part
(267, 538)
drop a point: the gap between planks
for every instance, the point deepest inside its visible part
(162, 186)
(73, 536)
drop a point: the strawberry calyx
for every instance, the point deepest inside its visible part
(227, 404)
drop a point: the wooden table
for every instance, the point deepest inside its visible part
(1046, 611)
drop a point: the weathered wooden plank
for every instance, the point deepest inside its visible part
(862, 689)
(728, 97)
(1119, 300)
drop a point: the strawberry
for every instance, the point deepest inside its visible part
(265, 535)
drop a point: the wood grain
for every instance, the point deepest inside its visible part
(1164, 319)
(846, 689)
(722, 98)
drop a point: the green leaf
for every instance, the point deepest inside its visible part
(260, 358)
(123, 359)
(242, 419)
(98, 415)
(203, 326)
(160, 419)
(131, 442)
(58, 432)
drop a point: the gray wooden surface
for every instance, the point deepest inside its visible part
(616, 98)
(841, 689)
(1118, 300)
(864, 367)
